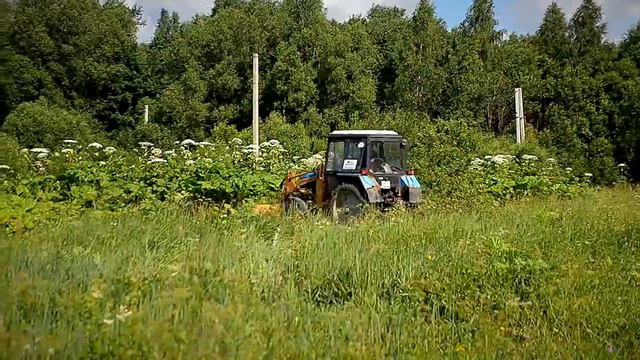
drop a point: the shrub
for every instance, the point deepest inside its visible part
(224, 132)
(153, 133)
(293, 137)
(40, 124)
(10, 156)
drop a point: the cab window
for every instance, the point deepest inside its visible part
(385, 157)
(345, 155)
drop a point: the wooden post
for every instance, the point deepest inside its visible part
(256, 112)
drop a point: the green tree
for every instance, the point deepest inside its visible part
(630, 45)
(587, 29)
(40, 124)
(347, 61)
(388, 28)
(219, 5)
(480, 23)
(303, 14)
(293, 81)
(167, 28)
(87, 48)
(6, 15)
(472, 73)
(182, 106)
(554, 45)
(421, 79)
(466, 82)
(552, 37)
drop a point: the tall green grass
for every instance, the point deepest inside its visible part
(533, 279)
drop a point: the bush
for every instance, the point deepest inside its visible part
(224, 132)
(10, 155)
(40, 124)
(293, 137)
(153, 133)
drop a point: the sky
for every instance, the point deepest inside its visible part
(521, 16)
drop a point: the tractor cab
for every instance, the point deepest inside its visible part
(375, 163)
(378, 152)
(361, 167)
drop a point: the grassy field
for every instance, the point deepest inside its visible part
(534, 279)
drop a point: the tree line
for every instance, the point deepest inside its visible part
(80, 60)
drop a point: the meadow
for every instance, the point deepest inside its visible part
(548, 277)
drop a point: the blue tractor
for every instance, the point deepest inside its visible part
(362, 167)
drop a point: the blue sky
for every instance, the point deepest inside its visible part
(522, 16)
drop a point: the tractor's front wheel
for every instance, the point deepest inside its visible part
(347, 203)
(295, 206)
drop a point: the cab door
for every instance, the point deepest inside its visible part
(345, 160)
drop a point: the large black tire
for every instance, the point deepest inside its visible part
(295, 206)
(347, 203)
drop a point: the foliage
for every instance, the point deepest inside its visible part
(83, 48)
(581, 97)
(452, 162)
(10, 155)
(40, 124)
(103, 178)
(293, 137)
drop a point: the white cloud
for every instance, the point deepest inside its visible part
(337, 9)
(186, 8)
(342, 10)
(515, 15)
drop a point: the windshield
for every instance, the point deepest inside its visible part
(386, 157)
(345, 155)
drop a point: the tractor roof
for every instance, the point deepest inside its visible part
(363, 133)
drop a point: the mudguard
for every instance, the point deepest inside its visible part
(372, 188)
(411, 186)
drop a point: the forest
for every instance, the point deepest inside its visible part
(75, 69)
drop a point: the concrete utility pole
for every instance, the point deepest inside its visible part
(519, 117)
(256, 104)
(146, 114)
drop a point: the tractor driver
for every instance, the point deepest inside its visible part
(377, 164)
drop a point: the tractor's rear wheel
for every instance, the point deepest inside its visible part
(347, 203)
(293, 205)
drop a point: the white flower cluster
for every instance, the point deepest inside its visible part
(271, 154)
(314, 161)
(40, 151)
(157, 161)
(478, 163)
(251, 148)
